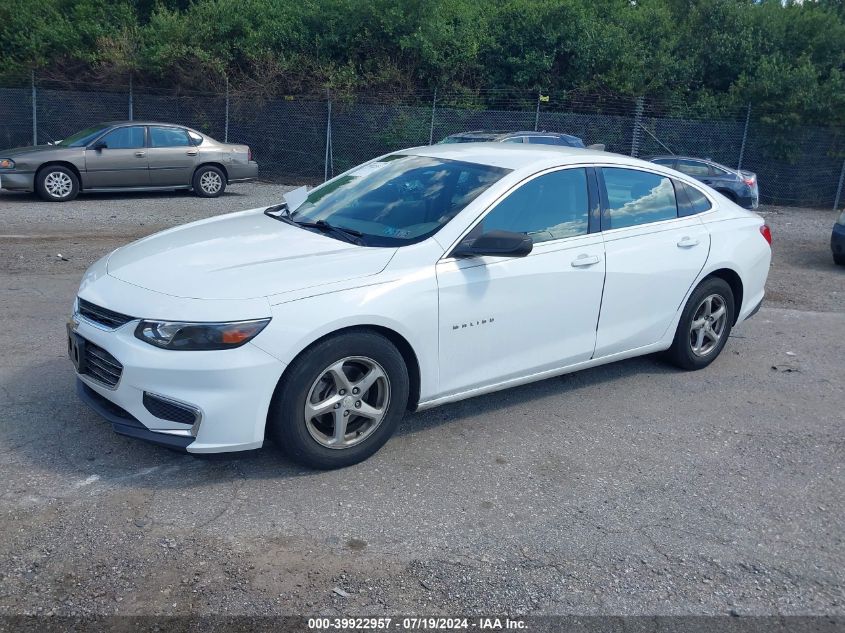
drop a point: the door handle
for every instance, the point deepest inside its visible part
(687, 242)
(585, 260)
(140, 154)
(192, 152)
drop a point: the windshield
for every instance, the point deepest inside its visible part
(80, 139)
(398, 200)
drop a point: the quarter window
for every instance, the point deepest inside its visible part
(196, 139)
(690, 200)
(168, 137)
(124, 138)
(550, 207)
(693, 168)
(637, 197)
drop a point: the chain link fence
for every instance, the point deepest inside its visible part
(308, 138)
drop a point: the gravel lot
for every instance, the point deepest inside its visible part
(627, 489)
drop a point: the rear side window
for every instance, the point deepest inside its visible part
(668, 162)
(550, 207)
(693, 168)
(168, 137)
(637, 197)
(690, 199)
(124, 138)
(545, 140)
(514, 139)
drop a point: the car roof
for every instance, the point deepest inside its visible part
(118, 123)
(517, 156)
(502, 133)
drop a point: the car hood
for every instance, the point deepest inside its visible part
(241, 256)
(19, 151)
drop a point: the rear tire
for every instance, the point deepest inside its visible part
(340, 401)
(209, 182)
(839, 260)
(705, 325)
(55, 183)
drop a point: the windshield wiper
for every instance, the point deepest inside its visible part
(282, 213)
(349, 235)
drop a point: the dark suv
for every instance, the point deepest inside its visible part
(739, 186)
(541, 138)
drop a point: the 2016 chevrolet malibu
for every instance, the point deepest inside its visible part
(422, 277)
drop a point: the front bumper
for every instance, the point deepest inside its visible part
(17, 180)
(240, 172)
(230, 390)
(837, 240)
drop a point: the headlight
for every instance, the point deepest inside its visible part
(198, 336)
(841, 219)
(7, 163)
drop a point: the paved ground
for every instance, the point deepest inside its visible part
(627, 489)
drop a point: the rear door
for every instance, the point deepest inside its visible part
(119, 160)
(653, 257)
(172, 155)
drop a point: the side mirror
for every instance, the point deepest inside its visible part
(496, 244)
(99, 145)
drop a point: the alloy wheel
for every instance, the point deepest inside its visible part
(211, 182)
(347, 402)
(58, 184)
(708, 325)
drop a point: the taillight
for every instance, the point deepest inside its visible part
(249, 153)
(749, 181)
(766, 232)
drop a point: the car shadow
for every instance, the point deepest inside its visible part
(47, 427)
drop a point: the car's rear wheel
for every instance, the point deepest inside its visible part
(705, 325)
(340, 400)
(55, 183)
(209, 181)
(839, 260)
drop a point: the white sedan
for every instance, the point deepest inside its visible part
(423, 277)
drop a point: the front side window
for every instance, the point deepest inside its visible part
(549, 207)
(637, 197)
(693, 168)
(124, 138)
(168, 137)
(398, 200)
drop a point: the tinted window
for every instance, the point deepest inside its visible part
(399, 201)
(547, 208)
(690, 200)
(124, 138)
(637, 197)
(168, 137)
(693, 168)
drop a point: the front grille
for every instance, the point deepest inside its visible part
(103, 316)
(101, 366)
(166, 409)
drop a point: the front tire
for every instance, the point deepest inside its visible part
(705, 325)
(57, 184)
(209, 182)
(340, 401)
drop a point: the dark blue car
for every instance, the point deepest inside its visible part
(739, 186)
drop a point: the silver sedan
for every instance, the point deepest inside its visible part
(127, 156)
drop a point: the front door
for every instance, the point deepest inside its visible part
(172, 156)
(502, 318)
(653, 257)
(118, 159)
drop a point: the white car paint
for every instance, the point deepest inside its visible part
(473, 325)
